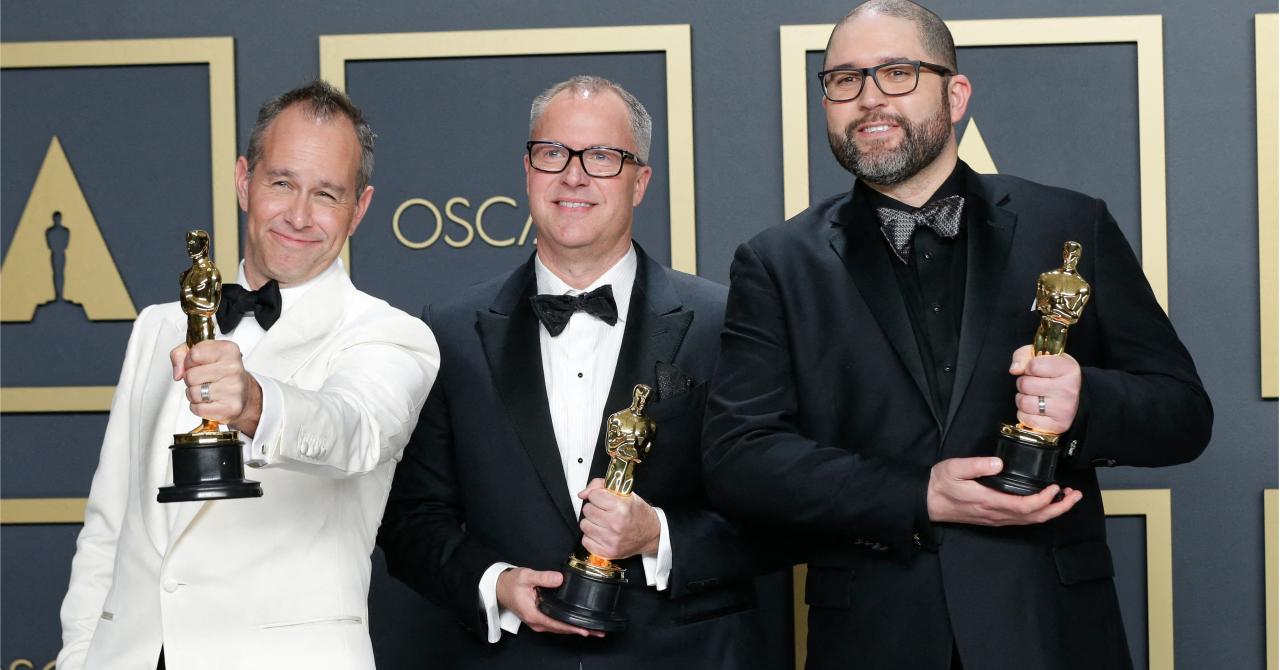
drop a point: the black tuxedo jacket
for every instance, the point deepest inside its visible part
(481, 481)
(820, 420)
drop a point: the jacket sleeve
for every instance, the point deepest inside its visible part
(1142, 403)
(423, 533)
(758, 464)
(363, 413)
(93, 567)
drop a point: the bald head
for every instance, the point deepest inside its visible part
(935, 37)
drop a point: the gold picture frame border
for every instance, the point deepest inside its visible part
(1154, 505)
(218, 53)
(1266, 27)
(795, 41)
(672, 40)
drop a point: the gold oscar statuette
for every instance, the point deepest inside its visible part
(208, 463)
(1031, 456)
(588, 596)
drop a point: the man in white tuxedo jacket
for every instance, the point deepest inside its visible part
(325, 397)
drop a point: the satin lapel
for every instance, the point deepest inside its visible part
(155, 468)
(861, 247)
(509, 333)
(656, 326)
(293, 340)
(988, 255)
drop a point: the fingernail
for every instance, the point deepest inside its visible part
(994, 463)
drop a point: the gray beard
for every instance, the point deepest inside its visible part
(921, 144)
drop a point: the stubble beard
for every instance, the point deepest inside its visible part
(921, 144)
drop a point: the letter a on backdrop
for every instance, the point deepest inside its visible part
(91, 278)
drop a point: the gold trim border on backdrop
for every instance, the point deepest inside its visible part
(1268, 91)
(1271, 558)
(1151, 504)
(216, 52)
(1146, 31)
(673, 40)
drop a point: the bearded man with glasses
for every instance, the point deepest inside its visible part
(503, 477)
(874, 343)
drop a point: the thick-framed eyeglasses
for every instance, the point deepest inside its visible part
(898, 78)
(554, 157)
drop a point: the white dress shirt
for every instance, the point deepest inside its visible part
(577, 368)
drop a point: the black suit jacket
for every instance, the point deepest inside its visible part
(821, 404)
(481, 481)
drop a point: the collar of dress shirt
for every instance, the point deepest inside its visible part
(289, 296)
(621, 276)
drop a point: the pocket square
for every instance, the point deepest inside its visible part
(672, 381)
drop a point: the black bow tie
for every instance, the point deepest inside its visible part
(237, 301)
(554, 311)
(940, 216)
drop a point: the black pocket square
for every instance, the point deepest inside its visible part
(672, 381)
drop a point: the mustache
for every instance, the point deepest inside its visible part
(877, 117)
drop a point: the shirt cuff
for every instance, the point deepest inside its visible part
(497, 619)
(657, 567)
(255, 448)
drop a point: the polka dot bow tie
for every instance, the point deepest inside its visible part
(941, 216)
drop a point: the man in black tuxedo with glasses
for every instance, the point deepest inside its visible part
(874, 344)
(502, 478)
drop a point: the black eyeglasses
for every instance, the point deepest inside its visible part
(899, 78)
(554, 157)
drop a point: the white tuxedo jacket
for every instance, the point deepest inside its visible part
(280, 581)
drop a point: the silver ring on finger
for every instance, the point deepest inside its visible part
(1040, 405)
(204, 396)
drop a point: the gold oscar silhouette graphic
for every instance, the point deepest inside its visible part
(1031, 456)
(208, 462)
(588, 596)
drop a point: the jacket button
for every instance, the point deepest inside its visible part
(170, 585)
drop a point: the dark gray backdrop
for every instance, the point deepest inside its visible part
(137, 138)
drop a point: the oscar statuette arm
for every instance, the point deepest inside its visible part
(760, 467)
(1142, 403)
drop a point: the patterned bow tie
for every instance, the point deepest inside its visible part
(554, 311)
(941, 216)
(238, 301)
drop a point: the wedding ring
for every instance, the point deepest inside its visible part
(204, 396)
(1040, 405)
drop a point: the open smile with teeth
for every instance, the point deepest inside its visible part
(574, 205)
(878, 128)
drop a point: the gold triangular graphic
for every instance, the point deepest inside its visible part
(974, 151)
(91, 278)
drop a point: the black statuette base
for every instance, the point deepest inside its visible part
(208, 466)
(1028, 468)
(585, 601)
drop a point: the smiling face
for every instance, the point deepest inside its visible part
(579, 216)
(300, 200)
(890, 139)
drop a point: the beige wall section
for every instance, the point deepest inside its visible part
(1145, 31)
(1265, 26)
(42, 510)
(672, 40)
(218, 53)
(1151, 504)
(1271, 562)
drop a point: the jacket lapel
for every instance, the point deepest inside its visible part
(860, 246)
(509, 333)
(989, 242)
(656, 326)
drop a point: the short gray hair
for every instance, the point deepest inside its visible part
(641, 122)
(320, 100)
